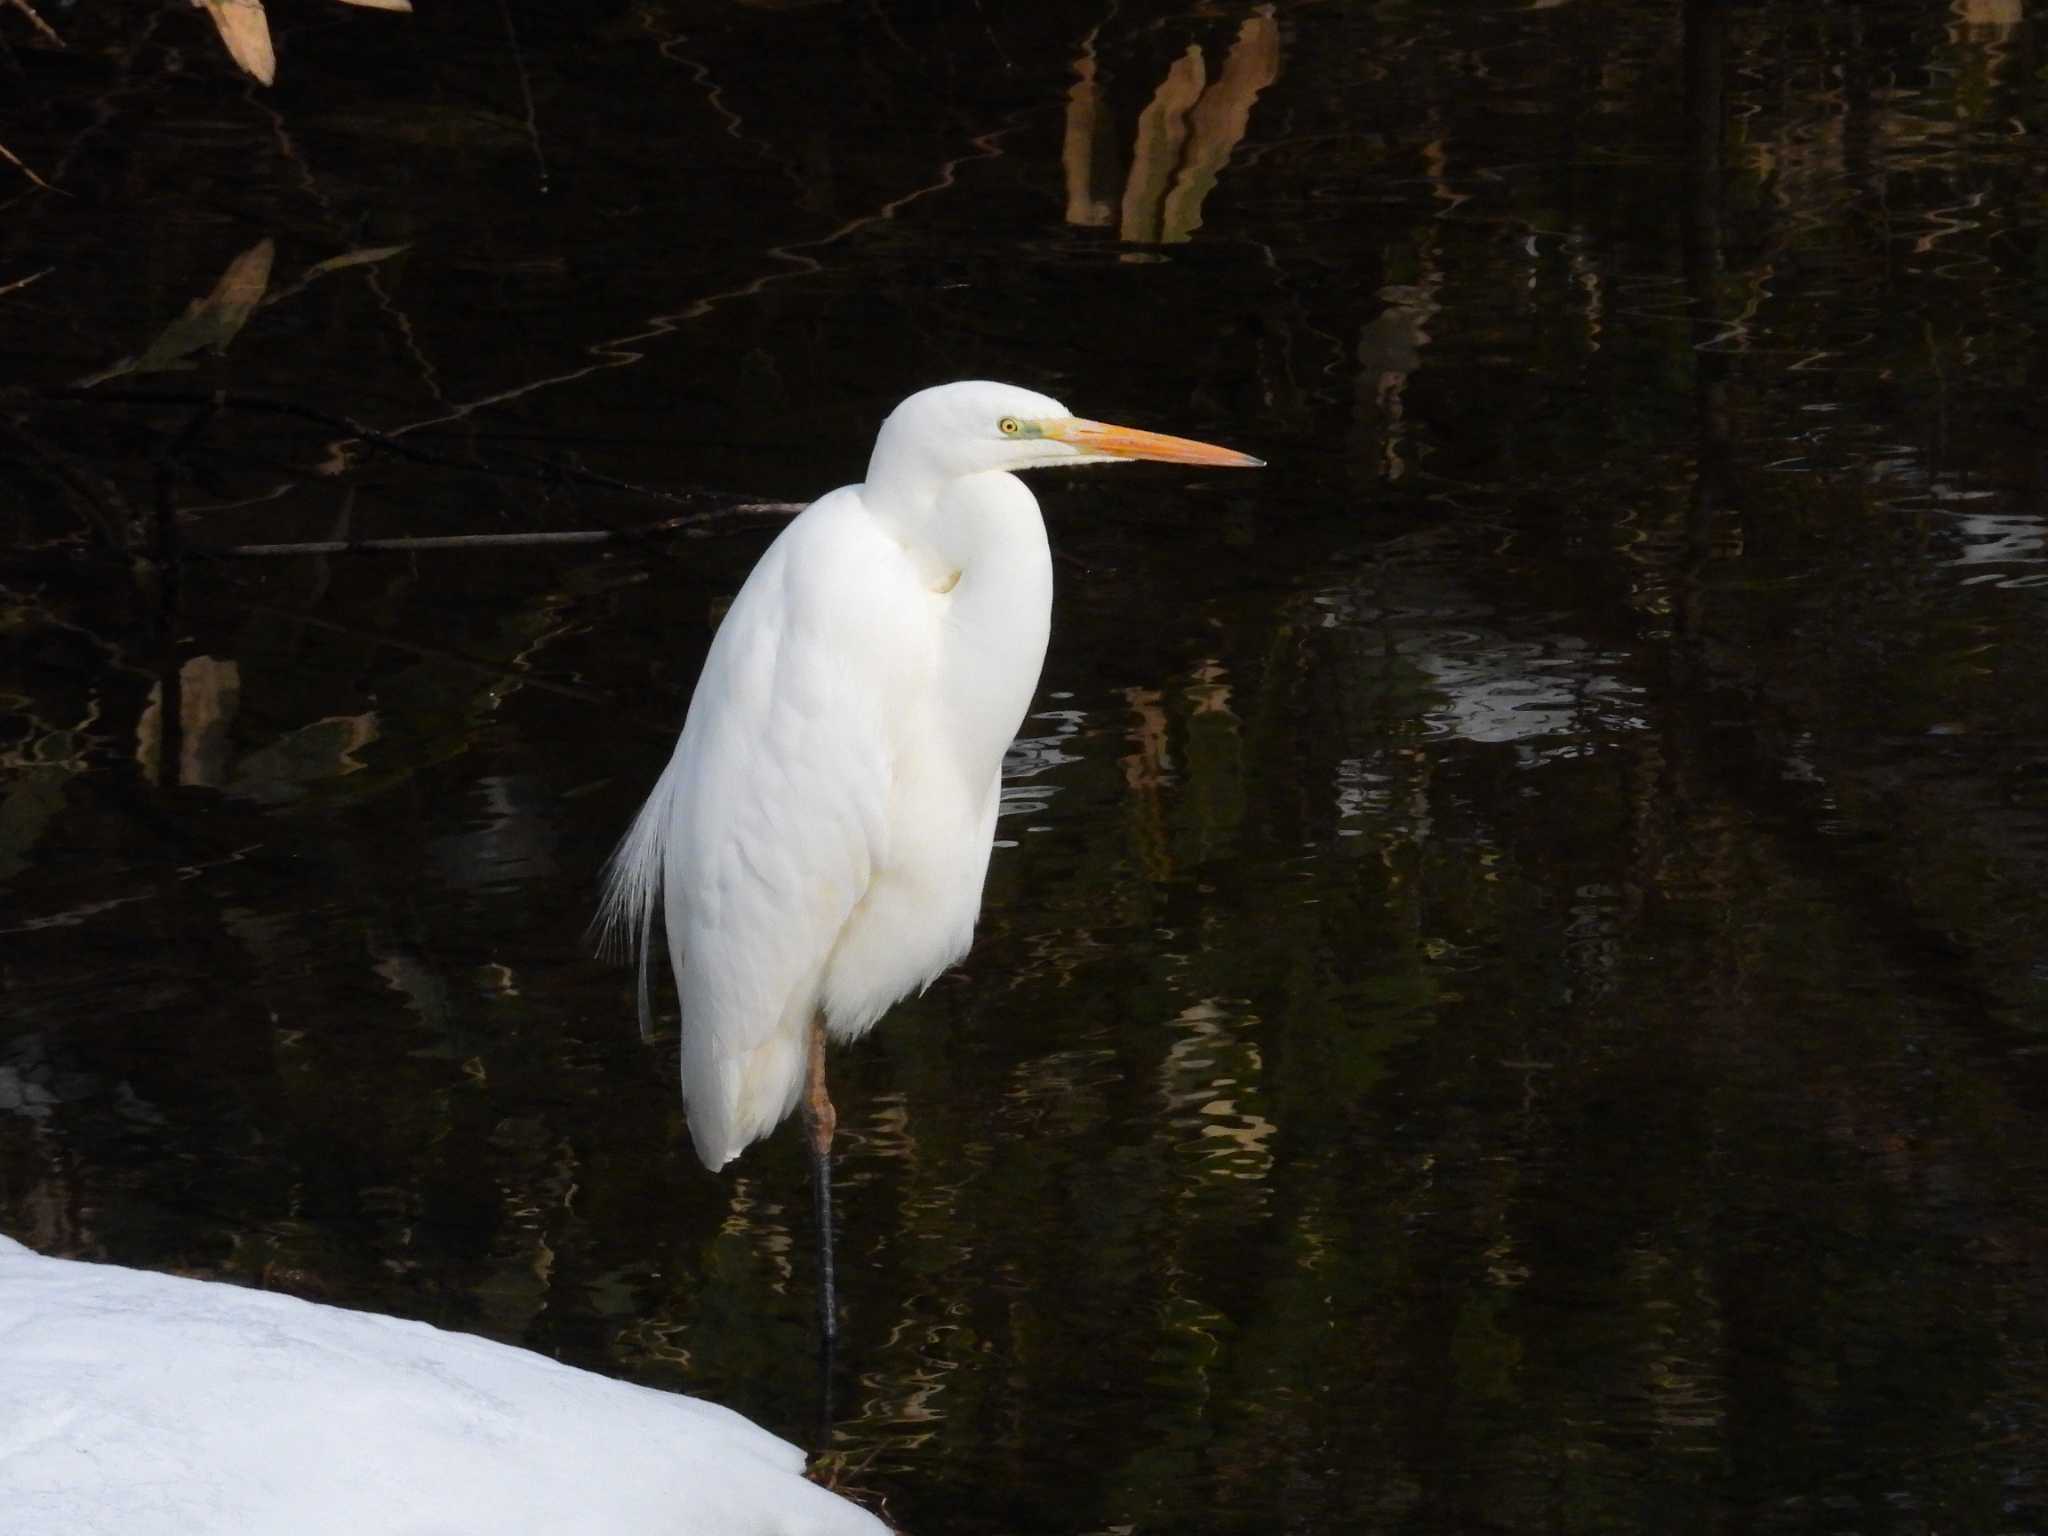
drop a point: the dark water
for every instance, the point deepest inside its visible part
(1514, 993)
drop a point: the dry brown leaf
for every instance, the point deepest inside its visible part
(246, 31)
(241, 287)
(354, 258)
(212, 322)
(320, 269)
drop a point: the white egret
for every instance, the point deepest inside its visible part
(820, 836)
(138, 1404)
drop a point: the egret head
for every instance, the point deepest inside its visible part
(973, 427)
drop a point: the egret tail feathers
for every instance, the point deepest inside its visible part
(644, 991)
(624, 925)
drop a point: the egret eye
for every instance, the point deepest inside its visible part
(1010, 426)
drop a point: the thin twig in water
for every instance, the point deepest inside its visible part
(476, 540)
(37, 22)
(388, 546)
(23, 282)
(15, 160)
(540, 159)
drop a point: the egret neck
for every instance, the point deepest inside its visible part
(997, 615)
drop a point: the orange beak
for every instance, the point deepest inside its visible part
(1130, 443)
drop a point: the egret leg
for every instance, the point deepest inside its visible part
(820, 1120)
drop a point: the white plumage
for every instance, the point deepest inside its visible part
(820, 836)
(138, 1404)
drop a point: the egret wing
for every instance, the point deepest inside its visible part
(772, 817)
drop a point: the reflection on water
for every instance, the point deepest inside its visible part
(1209, 1076)
(1184, 137)
(1442, 664)
(1027, 791)
(1511, 993)
(1998, 539)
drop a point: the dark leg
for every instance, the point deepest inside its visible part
(820, 1120)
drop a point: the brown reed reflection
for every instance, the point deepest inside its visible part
(1183, 139)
